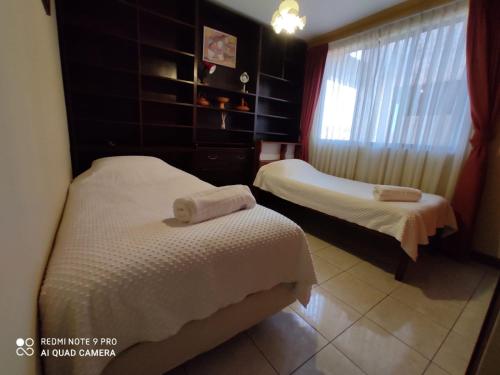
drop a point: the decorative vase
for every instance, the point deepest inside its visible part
(223, 116)
(243, 106)
(222, 101)
(201, 100)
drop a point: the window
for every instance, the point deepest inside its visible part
(414, 98)
(400, 87)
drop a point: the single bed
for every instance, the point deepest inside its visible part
(411, 223)
(123, 268)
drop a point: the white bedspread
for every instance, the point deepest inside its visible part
(122, 267)
(411, 223)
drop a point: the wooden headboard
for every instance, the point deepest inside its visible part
(282, 148)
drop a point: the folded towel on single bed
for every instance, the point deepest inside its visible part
(213, 203)
(396, 193)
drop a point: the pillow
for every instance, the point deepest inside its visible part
(289, 167)
(127, 162)
(130, 170)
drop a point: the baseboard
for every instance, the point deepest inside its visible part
(486, 259)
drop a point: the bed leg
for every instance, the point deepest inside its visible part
(402, 266)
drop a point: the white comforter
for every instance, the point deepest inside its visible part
(411, 223)
(123, 268)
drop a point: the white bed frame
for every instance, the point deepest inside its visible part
(284, 151)
(199, 336)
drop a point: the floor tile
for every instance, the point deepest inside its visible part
(286, 340)
(354, 292)
(376, 351)
(455, 353)
(329, 361)
(323, 269)
(237, 356)
(442, 278)
(471, 320)
(339, 258)
(410, 326)
(315, 243)
(433, 369)
(484, 292)
(440, 307)
(329, 315)
(375, 276)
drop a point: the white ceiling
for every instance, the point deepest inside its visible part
(322, 15)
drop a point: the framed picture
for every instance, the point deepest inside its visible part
(46, 5)
(219, 47)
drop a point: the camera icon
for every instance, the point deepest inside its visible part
(25, 347)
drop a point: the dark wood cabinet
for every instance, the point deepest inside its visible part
(224, 165)
(130, 70)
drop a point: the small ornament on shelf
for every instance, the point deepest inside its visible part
(243, 106)
(222, 101)
(244, 78)
(223, 116)
(201, 100)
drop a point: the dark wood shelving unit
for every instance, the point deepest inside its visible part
(202, 86)
(277, 99)
(166, 17)
(167, 49)
(275, 116)
(130, 70)
(225, 110)
(265, 75)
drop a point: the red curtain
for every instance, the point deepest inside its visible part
(483, 75)
(313, 75)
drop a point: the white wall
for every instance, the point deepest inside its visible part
(487, 231)
(34, 167)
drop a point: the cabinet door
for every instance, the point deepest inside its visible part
(224, 166)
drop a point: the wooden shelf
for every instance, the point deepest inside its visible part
(167, 78)
(167, 49)
(165, 17)
(277, 99)
(102, 94)
(204, 85)
(167, 125)
(92, 119)
(151, 99)
(225, 110)
(101, 66)
(275, 116)
(99, 31)
(271, 133)
(275, 77)
(225, 144)
(224, 130)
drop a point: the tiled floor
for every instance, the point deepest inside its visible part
(361, 321)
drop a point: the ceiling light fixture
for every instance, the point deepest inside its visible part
(287, 17)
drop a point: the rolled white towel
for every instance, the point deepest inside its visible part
(396, 193)
(209, 204)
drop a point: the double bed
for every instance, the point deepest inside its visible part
(124, 268)
(410, 223)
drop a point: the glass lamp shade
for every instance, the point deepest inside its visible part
(287, 17)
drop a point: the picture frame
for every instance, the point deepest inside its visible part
(219, 47)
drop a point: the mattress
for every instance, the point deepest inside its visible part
(124, 268)
(411, 223)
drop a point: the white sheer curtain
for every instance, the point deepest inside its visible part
(394, 107)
